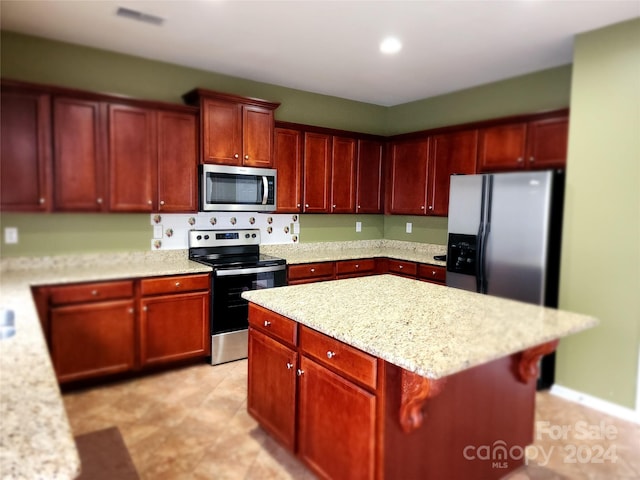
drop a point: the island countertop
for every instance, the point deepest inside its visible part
(428, 329)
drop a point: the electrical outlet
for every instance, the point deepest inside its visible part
(409, 228)
(157, 231)
(10, 235)
(358, 226)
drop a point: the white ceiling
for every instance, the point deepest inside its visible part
(331, 47)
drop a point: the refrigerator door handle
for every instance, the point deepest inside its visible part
(483, 234)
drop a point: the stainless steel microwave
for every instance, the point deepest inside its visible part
(239, 189)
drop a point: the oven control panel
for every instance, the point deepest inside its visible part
(220, 238)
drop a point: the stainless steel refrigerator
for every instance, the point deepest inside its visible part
(504, 238)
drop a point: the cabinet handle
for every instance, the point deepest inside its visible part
(331, 354)
(289, 366)
(177, 284)
(300, 372)
(519, 160)
(236, 156)
(41, 201)
(313, 270)
(99, 201)
(267, 323)
(246, 157)
(94, 293)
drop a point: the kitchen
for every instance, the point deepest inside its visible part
(589, 362)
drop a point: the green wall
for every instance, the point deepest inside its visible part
(340, 228)
(600, 272)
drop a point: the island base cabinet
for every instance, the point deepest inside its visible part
(271, 394)
(337, 419)
(91, 340)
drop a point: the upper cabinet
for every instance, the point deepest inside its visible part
(288, 162)
(369, 185)
(234, 130)
(408, 177)
(343, 171)
(25, 153)
(535, 144)
(317, 173)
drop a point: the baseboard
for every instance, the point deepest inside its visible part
(596, 403)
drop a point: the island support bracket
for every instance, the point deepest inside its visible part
(529, 364)
(416, 390)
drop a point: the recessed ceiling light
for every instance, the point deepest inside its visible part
(390, 45)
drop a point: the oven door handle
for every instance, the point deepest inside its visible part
(248, 271)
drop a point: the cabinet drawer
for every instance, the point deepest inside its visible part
(346, 360)
(178, 283)
(318, 271)
(91, 292)
(273, 324)
(432, 273)
(409, 269)
(355, 266)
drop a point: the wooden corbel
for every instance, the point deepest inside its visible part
(416, 390)
(528, 366)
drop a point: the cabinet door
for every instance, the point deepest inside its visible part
(79, 156)
(221, 132)
(369, 192)
(132, 159)
(92, 339)
(451, 154)
(547, 143)
(288, 163)
(317, 172)
(409, 161)
(257, 136)
(177, 162)
(25, 152)
(174, 327)
(336, 431)
(271, 395)
(343, 182)
(502, 148)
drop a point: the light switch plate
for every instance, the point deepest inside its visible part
(358, 226)
(409, 228)
(10, 235)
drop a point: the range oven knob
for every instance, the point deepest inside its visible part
(206, 237)
(199, 237)
(246, 235)
(253, 235)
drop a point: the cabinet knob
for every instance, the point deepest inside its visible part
(400, 267)
(421, 207)
(430, 207)
(267, 323)
(298, 205)
(334, 206)
(313, 270)
(300, 372)
(532, 159)
(145, 308)
(433, 273)
(246, 157)
(331, 354)
(150, 202)
(94, 293)
(99, 201)
(306, 205)
(236, 156)
(131, 310)
(357, 265)
(519, 160)
(289, 365)
(41, 201)
(161, 202)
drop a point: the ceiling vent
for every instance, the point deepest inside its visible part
(139, 16)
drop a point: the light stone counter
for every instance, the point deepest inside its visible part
(428, 329)
(333, 251)
(35, 438)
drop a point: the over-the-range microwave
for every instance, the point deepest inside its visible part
(239, 189)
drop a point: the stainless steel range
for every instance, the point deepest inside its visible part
(238, 266)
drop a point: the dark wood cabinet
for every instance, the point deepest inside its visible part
(25, 150)
(355, 268)
(326, 441)
(310, 272)
(369, 184)
(451, 154)
(408, 177)
(174, 319)
(343, 170)
(317, 173)
(271, 393)
(432, 273)
(536, 144)
(132, 158)
(288, 162)
(234, 130)
(177, 186)
(79, 155)
(91, 329)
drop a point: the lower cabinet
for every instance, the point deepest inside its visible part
(103, 328)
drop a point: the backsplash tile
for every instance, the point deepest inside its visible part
(169, 231)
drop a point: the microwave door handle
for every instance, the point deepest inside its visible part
(265, 190)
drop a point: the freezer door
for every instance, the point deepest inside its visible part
(465, 203)
(518, 232)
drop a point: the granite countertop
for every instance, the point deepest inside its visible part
(428, 329)
(35, 439)
(333, 251)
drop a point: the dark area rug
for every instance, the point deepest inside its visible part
(104, 456)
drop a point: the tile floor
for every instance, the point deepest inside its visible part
(192, 423)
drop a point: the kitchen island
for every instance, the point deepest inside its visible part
(387, 377)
